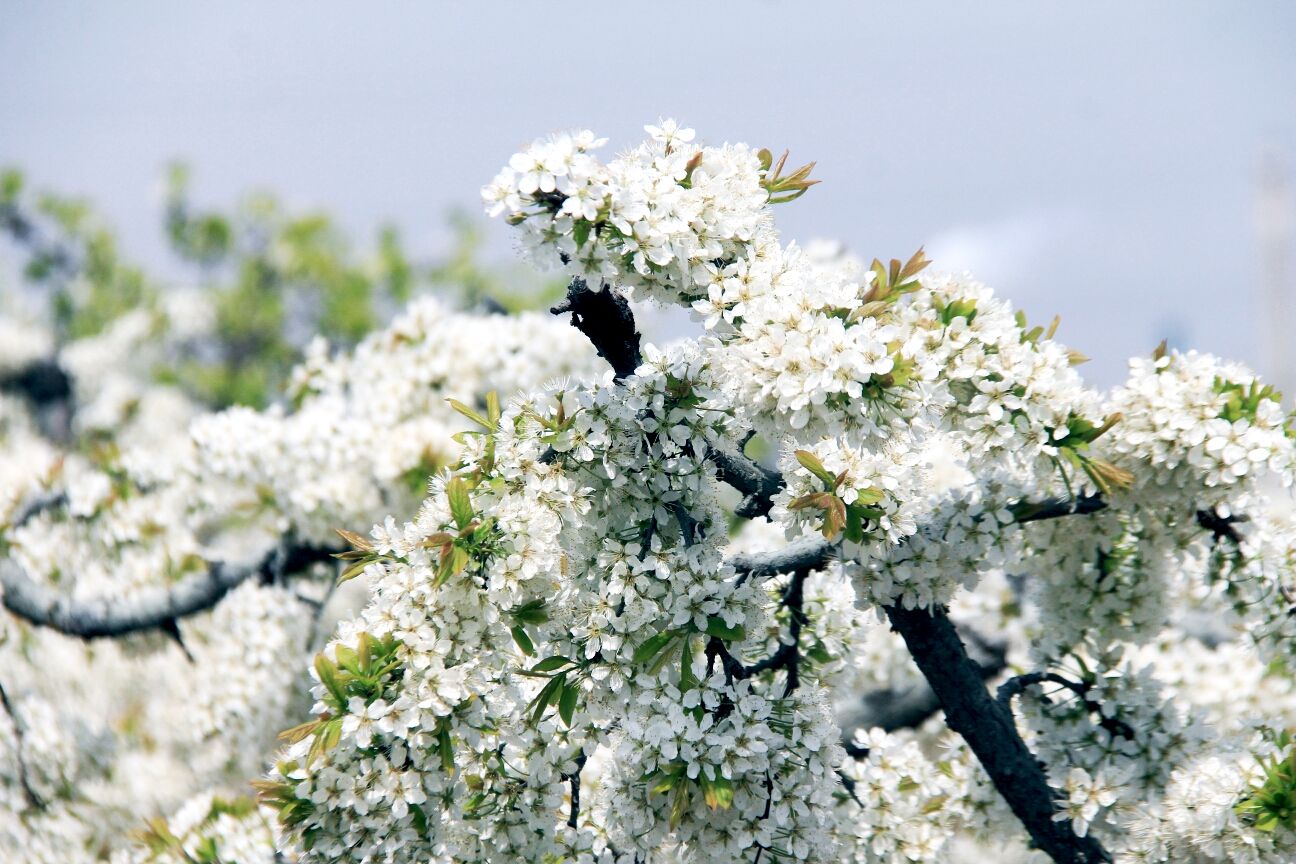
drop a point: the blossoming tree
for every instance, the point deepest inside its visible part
(967, 603)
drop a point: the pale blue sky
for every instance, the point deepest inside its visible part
(1095, 159)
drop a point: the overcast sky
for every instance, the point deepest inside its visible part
(1094, 159)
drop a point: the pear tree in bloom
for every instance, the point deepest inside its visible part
(863, 572)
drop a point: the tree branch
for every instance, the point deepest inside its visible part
(35, 505)
(1015, 686)
(42, 381)
(788, 655)
(604, 316)
(151, 608)
(809, 553)
(815, 552)
(990, 731)
(34, 800)
(48, 388)
(1026, 511)
(757, 483)
(573, 779)
(892, 709)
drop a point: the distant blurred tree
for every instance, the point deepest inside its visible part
(268, 278)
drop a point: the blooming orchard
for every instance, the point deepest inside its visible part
(965, 603)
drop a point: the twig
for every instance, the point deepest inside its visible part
(757, 483)
(33, 798)
(1017, 685)
(35, 505)
(574, 780)
(788, 655)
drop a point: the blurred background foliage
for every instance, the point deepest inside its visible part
(272, 279)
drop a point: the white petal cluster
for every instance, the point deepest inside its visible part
(1191, 422)
(902, 807)
(557, 654)
(656, 219)
(208, 827)
(1197, 819)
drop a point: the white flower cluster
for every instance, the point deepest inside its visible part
(159, 500)
(370, 427)
(1110, 738)
(901, 806)
(1195, 428)
(562, 657)
(1198, 820)
(657, 219)
(208, 828)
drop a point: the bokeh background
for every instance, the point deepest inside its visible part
(1127, 166)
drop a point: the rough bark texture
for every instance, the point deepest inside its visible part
(989, 730)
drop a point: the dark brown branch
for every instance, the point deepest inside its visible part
(36, 505)
(605, 318)
(148, 609)
(989, 730)
(43, 382)
(1221, 527)
(1054, 507)
(49, 390)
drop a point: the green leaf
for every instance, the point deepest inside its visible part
(687, 679)
(717, 793)
(679, 806)
(328, 677)
(567, 703)
(420, 820)
(580, 232)
(353, 571)
(854, 530)
(460, 502)
(651, 646)
(663, 781)
(531, 612)
(552, 664)
(717, 627)
(871, 495)
(471, 413)
(453, 560)
(818, 652)
(523, 640)
(347, 658)
(546, 697)
(447, 750)
(811, 463)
